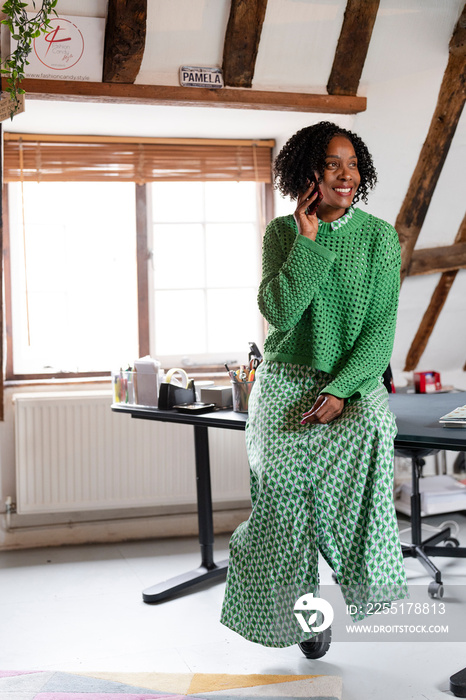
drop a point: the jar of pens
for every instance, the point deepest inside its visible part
(242, 379)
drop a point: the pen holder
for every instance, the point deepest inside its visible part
(124, 385)
(241, 393)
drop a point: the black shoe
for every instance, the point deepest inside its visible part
(318, 646)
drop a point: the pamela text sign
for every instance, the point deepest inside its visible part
(195, 76)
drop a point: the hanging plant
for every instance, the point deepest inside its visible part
(23, 30)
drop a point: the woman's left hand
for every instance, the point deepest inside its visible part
(326, 408)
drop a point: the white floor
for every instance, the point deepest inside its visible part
(80, 609)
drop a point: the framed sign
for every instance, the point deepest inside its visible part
(196, 76)
(71, 49)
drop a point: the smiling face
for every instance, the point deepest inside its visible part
(340, 181)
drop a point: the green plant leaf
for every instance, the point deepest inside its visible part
(23, 30)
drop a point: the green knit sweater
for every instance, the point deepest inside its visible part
(332, 304)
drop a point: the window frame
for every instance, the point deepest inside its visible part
(264, 203)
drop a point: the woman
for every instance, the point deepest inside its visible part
(320, 432)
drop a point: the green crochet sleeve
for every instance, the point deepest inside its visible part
(370, 355)
(293, 267)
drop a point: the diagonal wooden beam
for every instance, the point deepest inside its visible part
(441, 259)
(125, 38)
(69, 90)
(432, 313)
(242, 41)
(429, 320)
(436, 146)
(351, 51)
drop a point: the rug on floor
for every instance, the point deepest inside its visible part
(57, 685)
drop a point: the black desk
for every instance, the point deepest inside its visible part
(418, 431)
(417, 421)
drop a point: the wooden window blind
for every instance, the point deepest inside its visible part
(32, 157)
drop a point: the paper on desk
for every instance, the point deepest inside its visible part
(148, 380)
(458, 414)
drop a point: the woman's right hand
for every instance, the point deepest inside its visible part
(307, 223)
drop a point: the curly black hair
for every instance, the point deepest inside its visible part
(305, 152)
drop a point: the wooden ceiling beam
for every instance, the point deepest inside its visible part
(242, 41)
(69, 90)
(125, 39)
(429, 260)
(352, 47)
(435, 148)
(436, 305)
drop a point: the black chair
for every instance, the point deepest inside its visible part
(419, 548)
(388, 379)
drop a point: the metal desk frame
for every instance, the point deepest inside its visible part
(207, 569)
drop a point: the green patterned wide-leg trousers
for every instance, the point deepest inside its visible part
(326, 488)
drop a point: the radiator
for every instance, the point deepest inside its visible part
(74, 454)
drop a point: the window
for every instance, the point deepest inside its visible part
(73, 272)
(117, 249)
(206, 270)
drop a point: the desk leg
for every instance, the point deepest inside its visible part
(204, 496)
(416, 502)
(208, 569)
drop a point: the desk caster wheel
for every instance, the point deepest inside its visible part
(435, 589)
(318, 646)
(452, 542)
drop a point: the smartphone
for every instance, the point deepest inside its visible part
(312, 208)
